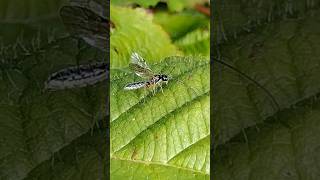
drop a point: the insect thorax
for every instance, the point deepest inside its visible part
(159, 78)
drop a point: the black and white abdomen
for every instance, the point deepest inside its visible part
(136, 85)
(155, 80)
(77, 76)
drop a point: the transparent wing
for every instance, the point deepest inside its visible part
(86, 24)
(139, 66)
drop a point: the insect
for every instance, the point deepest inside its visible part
(77, 76)
(85, 19)
(140, 67)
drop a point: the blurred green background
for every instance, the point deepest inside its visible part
(159, 29)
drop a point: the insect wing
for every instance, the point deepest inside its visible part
(137, 59)
(135, 85)
(88, 25)
(139, 66)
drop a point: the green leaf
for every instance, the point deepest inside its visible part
(255, 141)
(26, 20)
(165, 132)
(135, 31)
(179, 5)
(28, 9)
(84, 158)
(179, 24)
(195, 43)
(35, 123)
(233, 18)
(173, 5)
(144, 3)
(274, 151)
(283, 57)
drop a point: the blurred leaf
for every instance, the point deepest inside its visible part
(233, 17)
(144, 3)
(253, 138)
(179, 24)
(195, 43)
(86, 24)
(29, 9)
(179, 5)
(173, 5)
(35, 124)
(84, 158)
(26, 19)
(100, 7)
(166, 133)
(283, 57)
(135, 31)
(274, 151)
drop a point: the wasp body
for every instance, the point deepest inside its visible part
(140, 67)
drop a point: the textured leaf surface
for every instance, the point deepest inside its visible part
(284, 59)
(274, 151)
(34, 124)
(84, 158)
(253, 139)
(41, 132)
(195, 43)
(135, 31)
(233, 17)
(166, 132)
(28, 9)
(29, 18)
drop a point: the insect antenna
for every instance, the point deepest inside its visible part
(250, 79)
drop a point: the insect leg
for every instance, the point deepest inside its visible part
(146, 93)
(153, 89)
(161, 88)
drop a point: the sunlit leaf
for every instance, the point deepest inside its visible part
(134, 31)
(163, 133)
(179, 24)
(195, 43)
(173, 5)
